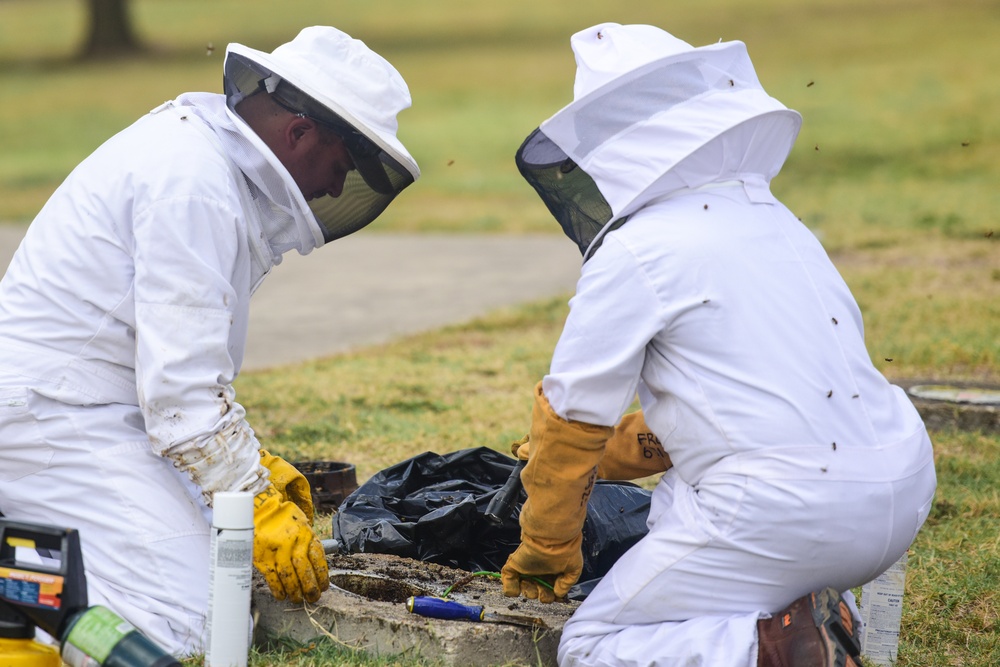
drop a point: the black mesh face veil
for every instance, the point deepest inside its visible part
(368, 189)
(569, 193)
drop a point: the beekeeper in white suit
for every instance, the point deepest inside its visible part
(123, 321)
(798, 470)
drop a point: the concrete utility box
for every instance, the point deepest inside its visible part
(365, 609)
(966, 406)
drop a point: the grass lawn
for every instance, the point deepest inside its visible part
(895, 169)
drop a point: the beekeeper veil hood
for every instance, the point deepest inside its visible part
(340, 83)
(651, 115)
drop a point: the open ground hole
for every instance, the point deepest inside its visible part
(375, 588)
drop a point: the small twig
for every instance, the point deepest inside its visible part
(466, 579)
(326, 633)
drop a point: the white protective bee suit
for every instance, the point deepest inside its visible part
(796, 465)
(123, 323)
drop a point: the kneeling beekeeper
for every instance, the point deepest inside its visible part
(123, 321)
(798, 471)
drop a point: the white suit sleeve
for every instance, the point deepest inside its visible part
(600, 354)
(186, 251)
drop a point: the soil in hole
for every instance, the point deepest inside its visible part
(375, 588)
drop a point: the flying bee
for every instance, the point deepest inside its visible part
(209, 49)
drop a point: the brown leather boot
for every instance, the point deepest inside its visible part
(816, 630)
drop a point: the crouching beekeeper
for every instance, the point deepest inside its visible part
(798, 471)
(123, 321)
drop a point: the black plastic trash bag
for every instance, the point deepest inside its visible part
(432, 508)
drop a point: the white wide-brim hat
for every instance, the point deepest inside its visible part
(345, 76)
(339, 82)
(646, 101)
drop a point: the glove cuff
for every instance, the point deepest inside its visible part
(265, 496)
(560, 474)
(547, 425)
(633, 451)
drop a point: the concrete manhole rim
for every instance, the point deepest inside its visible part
(389, 628)
(954, 404)
(946, 392)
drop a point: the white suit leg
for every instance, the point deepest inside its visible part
(720, 556)
(596, 636)
(715, 640)
(144, 532)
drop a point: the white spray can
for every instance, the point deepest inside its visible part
(230, 572)
(881, 614)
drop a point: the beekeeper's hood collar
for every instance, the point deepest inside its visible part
(652, 114)
(341, 83)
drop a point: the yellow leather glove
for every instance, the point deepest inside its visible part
(290, 483)
(285, 549)
(632, 451)
(558, 479)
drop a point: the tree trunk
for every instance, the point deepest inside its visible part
(110, 31)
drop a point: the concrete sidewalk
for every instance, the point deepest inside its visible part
(370, 288)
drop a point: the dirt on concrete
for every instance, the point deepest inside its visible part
(365, 609)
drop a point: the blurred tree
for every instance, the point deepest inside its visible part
(110, 32)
